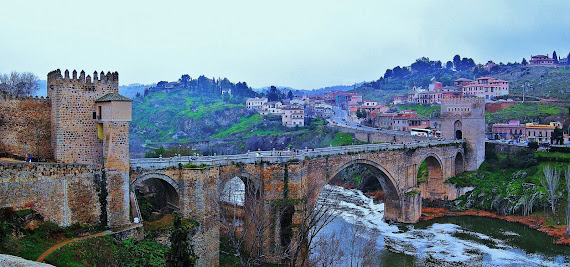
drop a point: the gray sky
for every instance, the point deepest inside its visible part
(302, 44)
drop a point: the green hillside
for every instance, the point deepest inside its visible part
(209, 123)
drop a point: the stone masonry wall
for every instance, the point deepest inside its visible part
(74, 128)
(116, 158)
(25, 127)
(62, 193)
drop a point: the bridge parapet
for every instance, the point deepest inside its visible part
(279, 156)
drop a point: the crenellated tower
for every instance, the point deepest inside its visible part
(464, 118)
(90, 125)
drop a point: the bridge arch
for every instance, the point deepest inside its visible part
(393, 208)
(432, 185)
(459, 163)
(159, 176)
(160, 192)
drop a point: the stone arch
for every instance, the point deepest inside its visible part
(434, 188)
(458, 129)
(459, 161)
(159, 176)
(393, 196)
(163, 192)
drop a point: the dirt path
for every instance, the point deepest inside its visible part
(63, 243)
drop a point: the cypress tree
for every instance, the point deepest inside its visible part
(181, 253)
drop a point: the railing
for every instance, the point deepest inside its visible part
(278, 156)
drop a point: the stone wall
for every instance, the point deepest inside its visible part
(25, 127)
(62, 193)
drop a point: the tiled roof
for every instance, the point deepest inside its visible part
(113, 97)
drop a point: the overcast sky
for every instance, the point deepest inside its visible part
(302, 44)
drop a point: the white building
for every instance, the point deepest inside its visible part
(256, 103)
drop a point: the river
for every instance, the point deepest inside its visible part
(358, 235)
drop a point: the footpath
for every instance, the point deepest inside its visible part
(50, 250)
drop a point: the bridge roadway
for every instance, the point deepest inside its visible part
(277, 156)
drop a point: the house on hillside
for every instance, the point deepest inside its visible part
(293, 116)
(541, 60)
(486, 87)
(256, 103)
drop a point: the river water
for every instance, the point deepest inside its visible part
(358, 236)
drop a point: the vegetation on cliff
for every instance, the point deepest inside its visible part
(513, 184)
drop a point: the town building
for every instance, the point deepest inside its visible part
(256, 103)
(530, 132)
(541, 60)
(486, 87)
(272, 108)
(513, 130)
(293, 116)
(434, 94)
(323, 110)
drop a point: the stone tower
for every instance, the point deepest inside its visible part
(90, 125)
(464, 118)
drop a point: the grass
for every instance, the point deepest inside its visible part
(525, 112)
(244, 125)
(423, 173)
(422, 110)
(106, 251)
(342, 139)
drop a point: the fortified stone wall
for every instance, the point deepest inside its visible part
(74, 114)
(25, 127)
(62, 193)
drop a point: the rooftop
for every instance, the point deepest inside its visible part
(113, 97)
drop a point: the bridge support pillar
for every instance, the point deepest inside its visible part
(411, 206)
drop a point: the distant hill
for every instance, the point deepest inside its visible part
(133, 89)
(545, 81)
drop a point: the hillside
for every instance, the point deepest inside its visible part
(181, 118)
(541, 81)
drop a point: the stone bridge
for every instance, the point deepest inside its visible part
(280, 176)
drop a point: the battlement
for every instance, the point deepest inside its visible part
(463, 100)
(35, 99)
(97, 77)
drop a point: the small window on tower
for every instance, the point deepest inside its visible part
(94, 115)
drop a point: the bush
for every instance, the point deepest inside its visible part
(49, 229)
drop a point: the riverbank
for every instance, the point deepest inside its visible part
(532, 221)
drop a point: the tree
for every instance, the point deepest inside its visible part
(245, 223)
(185, 80)
(19, 84)
(568, 59)
(290, 95)
(557, 136)
(181, 253)
(456, 61)
(314, 216)
(550, 183)
(555, 57)
(523, 62)
(274, 94)
(449, 65)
